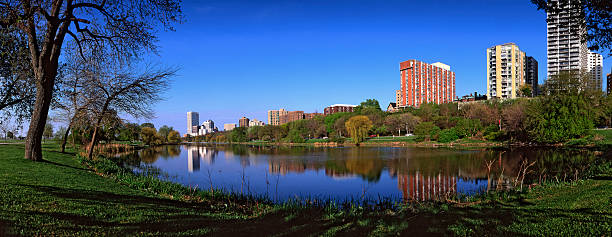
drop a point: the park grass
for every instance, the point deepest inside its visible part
(61, 196)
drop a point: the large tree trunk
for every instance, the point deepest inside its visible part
(65, 139)
(44, 95)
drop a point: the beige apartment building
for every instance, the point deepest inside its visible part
(505, 71)
(274, 116)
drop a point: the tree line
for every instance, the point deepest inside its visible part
(567, 110)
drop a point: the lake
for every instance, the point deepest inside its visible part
(356, 173)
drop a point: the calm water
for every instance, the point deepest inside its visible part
(355, 172)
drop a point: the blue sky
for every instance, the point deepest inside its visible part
(243, 58)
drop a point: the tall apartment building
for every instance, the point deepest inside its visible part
(505, 71)
(193, 119)
(274, 116)
(565, 49)
(243, 122)
(337, 108)
(531, 75)
(595, 67)
(425, 83)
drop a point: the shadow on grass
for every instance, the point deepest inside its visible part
(63, 165)
(143, 214)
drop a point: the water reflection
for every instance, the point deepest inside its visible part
(412, 173)
(195, 153)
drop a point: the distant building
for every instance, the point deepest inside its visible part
(207, 127)
(392, 107)
(505, 71)
(531, 75)
(595, 68)
(311, 115)
(243, 122)
(229, 126)
(193, 119)
(470, 99)
(332, 109)
(425, 83)
(274, 116)
(255, 122)
(398, 97)
(291, 116)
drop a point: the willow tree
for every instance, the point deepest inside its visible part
(127, 27)
(358, 127)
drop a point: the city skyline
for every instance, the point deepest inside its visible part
(326, 64)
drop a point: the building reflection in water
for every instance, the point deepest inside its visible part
(195, 153)
(423, 187)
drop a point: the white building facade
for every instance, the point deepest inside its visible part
(255, 122)
(565, 49)
(595, 67)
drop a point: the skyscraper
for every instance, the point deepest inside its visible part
(565, 48)
(595, 67)
(425, 83)
(531, 75)
(193, 119)
(505, 71)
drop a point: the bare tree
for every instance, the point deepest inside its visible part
(120, 89)
(126, 26)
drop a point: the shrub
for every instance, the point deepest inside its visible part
(295, 136)
(448, 135)
(468, 127)
(426, 130)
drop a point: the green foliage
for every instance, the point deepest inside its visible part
(150, 136)
(358, 127)
(174, 137)
(426, 130)
(555, 119)
(164, 131)
(448, 135)
(147, 125)
(295, 136)
(492, 133)
(368, 105)
(238, 134)
(467, 127)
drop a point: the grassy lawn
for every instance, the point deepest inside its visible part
(61, 197)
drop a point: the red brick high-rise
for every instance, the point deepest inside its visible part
(425, 83)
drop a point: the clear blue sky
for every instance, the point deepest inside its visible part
(243, 58)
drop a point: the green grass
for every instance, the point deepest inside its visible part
(390, 139)
(62, 197)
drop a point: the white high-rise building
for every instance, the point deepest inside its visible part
(193, 119)
(595, 66)
(207, 127)
(566, 50)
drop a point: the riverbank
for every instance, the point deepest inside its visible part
(61, 196)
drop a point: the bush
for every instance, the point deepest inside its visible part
(337, 139)
(295, 136)
(448, 135)
(426, 130)
(468, 127)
